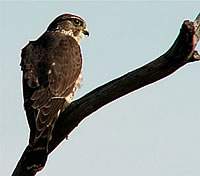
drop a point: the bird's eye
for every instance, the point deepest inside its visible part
(77, 22)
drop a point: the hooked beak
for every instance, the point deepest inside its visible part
(86, 32)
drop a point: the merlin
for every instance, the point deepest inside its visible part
(52, 67)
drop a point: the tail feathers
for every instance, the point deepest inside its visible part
(38, 153)
(36, 159)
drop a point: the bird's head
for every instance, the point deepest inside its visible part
(71, 25)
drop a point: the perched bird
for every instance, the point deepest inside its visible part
(51, 68)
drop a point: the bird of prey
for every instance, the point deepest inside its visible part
(51, 68)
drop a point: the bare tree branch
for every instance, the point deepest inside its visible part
(181, 53)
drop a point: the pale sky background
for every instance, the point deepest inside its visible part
(154, 131)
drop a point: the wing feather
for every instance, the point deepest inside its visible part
(51, 65)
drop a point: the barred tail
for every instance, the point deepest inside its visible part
(38, 154)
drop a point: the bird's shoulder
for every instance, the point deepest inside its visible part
(48, 44)
(45, 57)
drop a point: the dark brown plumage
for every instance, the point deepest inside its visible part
(51, 68)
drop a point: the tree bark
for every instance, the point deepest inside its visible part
(181, 53)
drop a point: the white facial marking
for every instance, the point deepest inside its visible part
(79, 37)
